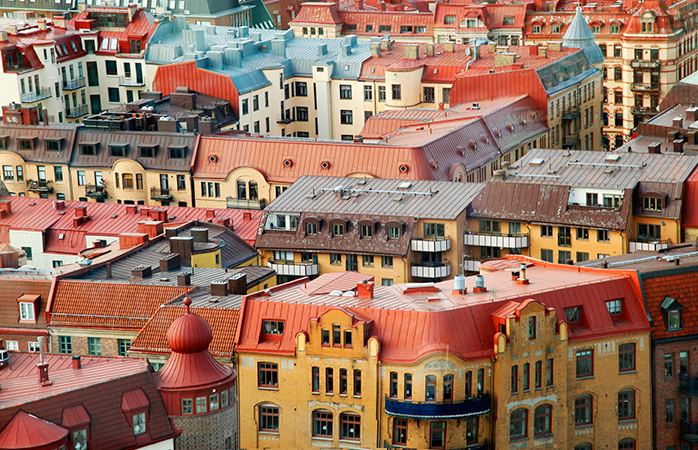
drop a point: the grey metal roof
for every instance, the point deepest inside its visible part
(39, 153)
(578, 168)
(377, 197)
(579, 35)
(565, 72)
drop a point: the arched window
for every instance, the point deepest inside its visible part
(350, 426)
(518, 424)
(269, 418)
(322, 423)
(626, 405)
(582, 410)
(627, 444)
(542, 420)
(584, 446)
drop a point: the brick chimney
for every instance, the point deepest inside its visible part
(77, 362)
(150, 227)
(364, 290)
(411, 51)
(5, 207)
(42, 369)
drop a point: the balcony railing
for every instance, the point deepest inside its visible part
(74, 113)
(75, 83)
(281, 118)
(95, 191)
(431, 270)
(689, 432)
(241, 203)
(642, 111)
(160, 194)
(571, 114)
(36, 96)
(644, 87)
(505, 241)
(471, 265)
(688, 385)
(640, 64)
(648, 245)
(40, 186)
(431, 245)
(131, 81)
(438, 410)
(296, 270)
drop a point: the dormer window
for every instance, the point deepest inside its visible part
(573, 314)
(147, 151)
(311, 228)
(177, 152)
(53, 145)
(134, 405)
(88, 148)
(139, 423)
(393, 232)
(671, 310)
(337, 229)
(27, 307)
(615, 307)
(77, 420)
(367, 228)
(273, 327)
(26, 143)
(651, 203)
(117, 150)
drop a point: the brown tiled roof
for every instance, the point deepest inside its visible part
(223, 323)
(679, 283)
(539, 203)
(99, 386)
(11, 289)
(110, 305)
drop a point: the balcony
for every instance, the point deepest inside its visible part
(571, 114)
(76, 112)
(640, 64)
(471, 265)
(643, 87)
(431, 245)
(95, 191)
(487, 240)
(296, 270)
(45, 186)
(37, 96)
(431, 270)
(689, 432)
(642, 111)
(75, 83)
(131, 81)
(688, 385)
(648, 245)
(160, 194)
(284, 118)
(241, 203)
(438, 410)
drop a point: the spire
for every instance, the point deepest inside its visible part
(579, 35)
(187, 302)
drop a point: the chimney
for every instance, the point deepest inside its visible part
(223, 221)
(42, 369)
(41, 23)
(375, 49)
(411, 51)
(677, 122)
(672, 135)
(170, 232)
(5, 207)
(132, 8)
(210, 214)
(430, 49)
(237, 284)
(504, 59)
(346, 50)
(691, 136)
(321, 50)
(131, 210)
(533, 50)
(522, 275)
(358, 5)
(77, 362)
(219, 288)
(449, 47)
(129, 240)
(170, 262)
(11, 30)
(200, 234)
(678, 146)
(385, 43)
(141, 271)
(3, 36)
(59, 204)
(491, 47)
(364, 290)
(81, 211)
(59, 21)
(108, 267)
(499, 175)
(554, 46)
(542, 52)
(150, 227)
(247, 216)
(655, 147)
(184, 245)
(692, 114)
(184, 279)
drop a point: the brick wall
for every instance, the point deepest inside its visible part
(207, 431)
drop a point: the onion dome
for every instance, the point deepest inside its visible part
(579, 35)
(189, 333)
(26, 431)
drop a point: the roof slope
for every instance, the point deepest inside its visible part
(65, 134)
(13, 288)
(28, 431)
(680, 284)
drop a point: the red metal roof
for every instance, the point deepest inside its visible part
(75, 416)
(397, 19)
(140, 26)
(28, 431)
(690, 203)
(318, 12)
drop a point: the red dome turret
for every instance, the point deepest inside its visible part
(189, 333)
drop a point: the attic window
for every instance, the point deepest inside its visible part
(53, 144)
(3, 141)
(177, 152)
(573, 314)
(147, 151)
(615, 307)
(118, 150)
(652, 201)
(671, 310)
(27, 308)
(88, 148)
(26, 143)
(135, 406)
(273, 327)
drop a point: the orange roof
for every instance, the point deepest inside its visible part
(140, 26)
(320, 12)
(680, 284)
(223, 323)
(107, 305)
(396, 19)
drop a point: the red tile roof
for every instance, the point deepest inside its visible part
(107, 305)
(679, 283)
(13, 288)
(318, 12)
(223, 323)
(99, 386)
(107, 219)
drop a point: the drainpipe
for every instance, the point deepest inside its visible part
(378, 404)
(475, 43)
(676, 222)
(404, 269)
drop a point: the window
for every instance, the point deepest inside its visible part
(34, 347)
(275, 327)
(546, 231)
(517, 424)
(615, 29)
(480, 381)
(407, 386)
(428, 95)
(669, 410)
(147, 151)
(302, 114)
(268, 418)
(114, 96)
(685, 404)
(582, 410)
(187, 406)
(386, 261)
(58, 172)
(8, 173)
(181, 183)
(526, 377)
(80, 438)
(549, 373)
(127, 180)
(400, 432)
(393, 384)
(322, 424)
(536, 29)
(490, 226)
(367, 260)
(350, 426)
(124, 346)
(582, 256)
(434, 231)
(468, 384)
(538, 378)
(368, 93)
(683, 363)
(430, 393)
(384, 28)
(542, 420)
(585, 363)
(514, 379)
(573, 314)
(564, 236)
(674, 320)
(329, 380)
(546, 255)
(26, 311)
(316, 380)
(344, 91)
(564, 256)
(614, 306)
(366, 231)
(335, 258)
(652, 204)
(397, 91)
(669, 365)
(602, 236)
(94, 346)
(111, 67)
(449, 19)
(626, 404)
(311, 228)
(381, 93)
(357, 383)
(325, 337)
(139, 180)
(301, 89)
(448, 389)
(346, 117)
(531, 328)
(65, 344)
(13, 345)
(139, 423)
(649, 232)
(268, 375)
(626, 357)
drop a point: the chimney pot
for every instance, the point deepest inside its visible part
(77, 362)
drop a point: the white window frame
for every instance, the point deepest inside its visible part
(26, 311)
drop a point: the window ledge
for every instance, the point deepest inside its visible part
(268, 388)
(518, 438)
(542, 435)
(329, 393)
(320, 438)
(671, 425)
(273, 433)
(584, 425)
(586, 377)
(627, 371)
(631, 420)
(342, 395)
(349, 440)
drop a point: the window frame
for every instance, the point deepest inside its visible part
(518, 424)
(581, 356)
(267, 375)
(626, 357)
(542, 420)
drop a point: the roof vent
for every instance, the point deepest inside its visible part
(612, 157)
(404, 185)
(141, 271)
(536, 162)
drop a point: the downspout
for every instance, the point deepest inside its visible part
(378, 405)
(676, 222)
(474, 54)
(404, 269)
